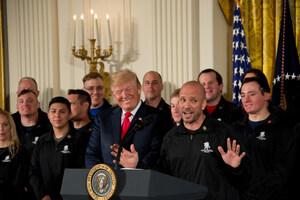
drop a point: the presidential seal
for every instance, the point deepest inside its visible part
(101, 182)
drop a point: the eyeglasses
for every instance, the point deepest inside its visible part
(98, 88)
(119, 92)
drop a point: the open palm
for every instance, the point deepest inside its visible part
(231, 157)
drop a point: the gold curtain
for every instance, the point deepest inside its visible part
(262, 20)
(2, 86)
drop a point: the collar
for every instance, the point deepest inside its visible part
(205, 126)
(221, 103)
(133, 112)
(268, 120)
(161, 103)
(69, 135)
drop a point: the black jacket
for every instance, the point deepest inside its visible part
(226, 112)
(85, 133)
(269, 147)
(193, 156)
(28, 139)
(13, 174)
(50, 159)
(295, 175)
(163, 106)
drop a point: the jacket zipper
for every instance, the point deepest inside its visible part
(189, 153)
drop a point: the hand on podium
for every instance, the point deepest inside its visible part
(128, 159)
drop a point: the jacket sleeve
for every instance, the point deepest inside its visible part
(150, 159)
(163, 164)
(20, 180)
(35, 174)
(93, 154)
(240, 176)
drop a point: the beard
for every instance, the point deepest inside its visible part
(194, 117)
(212, 98)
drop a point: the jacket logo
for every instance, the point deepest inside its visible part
(66, 149)
(261, 136)
(206, 148)
(6, 159)
(35, 140)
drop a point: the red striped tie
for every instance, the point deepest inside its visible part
(125, 124)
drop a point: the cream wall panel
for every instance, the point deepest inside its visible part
(147, 35)
(220, 48)
(129, 22)
(16, 59)
(174, 28)
(30, 42)
(70, 68)
(206, 34)
(213, 40)
(173, 37)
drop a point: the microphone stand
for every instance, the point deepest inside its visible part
(138, 125)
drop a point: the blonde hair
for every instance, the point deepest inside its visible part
(123, 76)
(14, 143)
(175, 93)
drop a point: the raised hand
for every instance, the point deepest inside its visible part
(231, 157)
(128, 159)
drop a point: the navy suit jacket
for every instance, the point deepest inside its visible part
(107, 131)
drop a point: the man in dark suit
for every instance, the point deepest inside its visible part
(109, 125)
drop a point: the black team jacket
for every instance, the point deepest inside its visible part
(49, 160)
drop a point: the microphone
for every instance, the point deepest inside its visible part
(137, 125)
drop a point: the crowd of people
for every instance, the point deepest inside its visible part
(247, 152)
